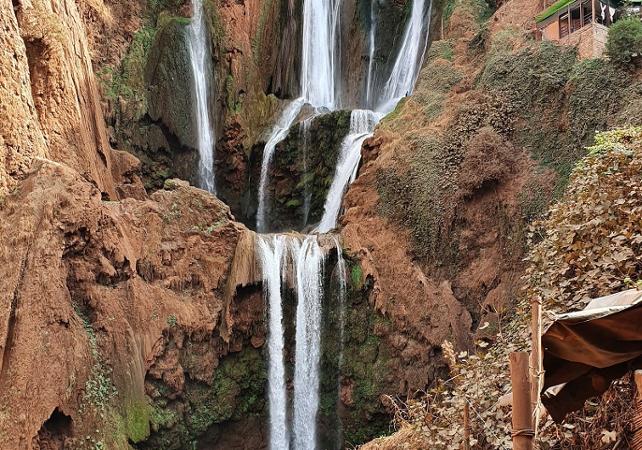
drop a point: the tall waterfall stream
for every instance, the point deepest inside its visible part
(295, 261)
(200, 58)
(301, 258)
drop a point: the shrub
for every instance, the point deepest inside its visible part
(624, 44)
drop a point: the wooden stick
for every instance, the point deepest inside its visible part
(636, 443)
(466, 425)
(536, 368)
(522, 407)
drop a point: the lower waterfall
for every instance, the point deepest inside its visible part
(303, 258)
(271, 251)
(309, 288)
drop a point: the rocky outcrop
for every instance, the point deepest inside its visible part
(21, 138)
(302, 170)
(63, 93)
(168, 81)
(114, 311)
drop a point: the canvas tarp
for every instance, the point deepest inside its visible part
(585, 350)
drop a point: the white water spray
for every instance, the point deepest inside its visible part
(279, 132)
(410, 57)
(199, 50)
(362, 124)
(372, 46)
(309, 286)
(319, 56)
(271, 254)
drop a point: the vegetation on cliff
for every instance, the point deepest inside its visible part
(595, 226)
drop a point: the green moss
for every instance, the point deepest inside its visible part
(128, 81)
(596, 96)
(137, 419)
(366, 364)
(237, 390)
(533, 81)
(163, 417)
(300, 176)
(356, 275)
(442, 49)
(478, 8)
(392, 116)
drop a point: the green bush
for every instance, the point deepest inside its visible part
(624, 44)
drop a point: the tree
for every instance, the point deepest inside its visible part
(624, 43)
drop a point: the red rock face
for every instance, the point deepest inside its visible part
(132, 283)
(63, 89)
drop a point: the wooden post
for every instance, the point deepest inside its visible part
(581, 14)
(568, 18)
(636, 443)
(594, 4)
(466, 426)
(536, 367)
(522, 411)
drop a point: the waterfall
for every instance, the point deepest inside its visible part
(362, 123)
(307, 196)
(320, 52)
(199, 50)
(410, 57)
(371, 53)
(278, 133)
(271, 254)
(341, 275)
(309, 287)
(298, 261)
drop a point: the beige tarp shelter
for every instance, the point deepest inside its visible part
(585, 350)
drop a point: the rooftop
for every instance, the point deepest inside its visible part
(548, 12)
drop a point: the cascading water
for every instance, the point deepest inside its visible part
(279, 132)
(199, 50)
(302, 256)
(271, 251)
(372, 47)
(309, 287)
(404, 73)
(362, 123)
(320, 52)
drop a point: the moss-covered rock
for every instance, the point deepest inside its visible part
(168, 77)
(356, 366)
(235, 393)
(302, 170)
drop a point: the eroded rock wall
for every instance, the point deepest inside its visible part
(63, 89)
(114, 311)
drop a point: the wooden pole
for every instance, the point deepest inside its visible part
(536, 368)
(522, 411)
(636, 443)
(466, 426)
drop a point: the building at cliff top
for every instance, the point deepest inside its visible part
(582, 23)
